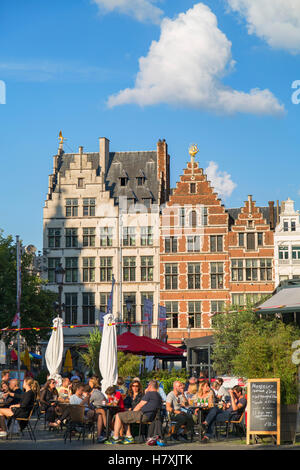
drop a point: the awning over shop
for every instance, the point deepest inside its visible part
(144, 346)
(285, 300)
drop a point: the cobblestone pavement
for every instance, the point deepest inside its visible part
(53, 440)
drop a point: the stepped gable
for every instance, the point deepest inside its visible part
(202, 194)
(252, 218)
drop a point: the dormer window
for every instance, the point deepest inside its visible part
(123, 178)
(293, 226)
(140, 179)
(193, 188)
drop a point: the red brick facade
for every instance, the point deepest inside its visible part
(200, 246)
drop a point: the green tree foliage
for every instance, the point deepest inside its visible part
(90, 357)
(128, 364)
(228, 330)
(36, 301)
(253, 347)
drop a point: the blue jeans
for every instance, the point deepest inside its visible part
(216, 415)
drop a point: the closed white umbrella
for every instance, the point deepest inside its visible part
(54, 351)
(108, 359)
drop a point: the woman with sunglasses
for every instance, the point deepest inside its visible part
(134, 395)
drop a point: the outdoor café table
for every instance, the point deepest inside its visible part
(108, 409)
(202, 411)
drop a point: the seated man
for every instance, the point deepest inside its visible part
(175, 406)
(221, 392)
(231, 411)
(80, 397)
(64, 391)
(146, 409)
(14, 394)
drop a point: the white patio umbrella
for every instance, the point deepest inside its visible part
(54, 351)
(108, 359)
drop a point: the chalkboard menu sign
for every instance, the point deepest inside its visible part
(263, 408)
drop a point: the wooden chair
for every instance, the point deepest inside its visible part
(24, 423)
(77, 423)
(144, 425)
(170, 427)
(40, 415)
(237, 425)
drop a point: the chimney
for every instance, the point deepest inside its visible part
(271, 215)
(104, 154)
(250, 204)
(80, 150)
(163, 169)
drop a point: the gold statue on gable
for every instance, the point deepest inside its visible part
(61, 138)
(193, 150)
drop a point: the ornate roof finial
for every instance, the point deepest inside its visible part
(61, 140)
(193, 150)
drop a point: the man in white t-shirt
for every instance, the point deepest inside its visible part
(175, 406)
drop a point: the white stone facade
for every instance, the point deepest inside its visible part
(85, 230)
(287, 243)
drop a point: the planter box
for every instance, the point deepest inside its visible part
(288, 426)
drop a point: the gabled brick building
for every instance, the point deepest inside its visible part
(211, 257)
(194, 267)
(251, 252)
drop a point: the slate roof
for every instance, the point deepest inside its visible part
(129, 165)
(136, 165)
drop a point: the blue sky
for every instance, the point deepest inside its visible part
(137, 71)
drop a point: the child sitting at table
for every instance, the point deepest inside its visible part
(114, 397)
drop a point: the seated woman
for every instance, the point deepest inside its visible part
(4, 393)
(191, 393)
(205, 395)
(23, 409)
(49, 399)
(134, 396)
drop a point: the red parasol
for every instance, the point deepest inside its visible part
(144, 346)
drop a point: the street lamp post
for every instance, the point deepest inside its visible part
(59, 279)
(128, 307)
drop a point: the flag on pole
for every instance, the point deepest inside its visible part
(162, 321)
(17, 318)
(148, 314)
(110, 299)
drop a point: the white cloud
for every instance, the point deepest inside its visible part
(141, 10)
(220, 180)
(185, 67)
(275, 21)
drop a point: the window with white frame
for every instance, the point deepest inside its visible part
(71, 208)
(194, 314)
(283, 252)
(172, 314)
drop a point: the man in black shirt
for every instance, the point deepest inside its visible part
(233, 411)
(14, 394)
(145, 409)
